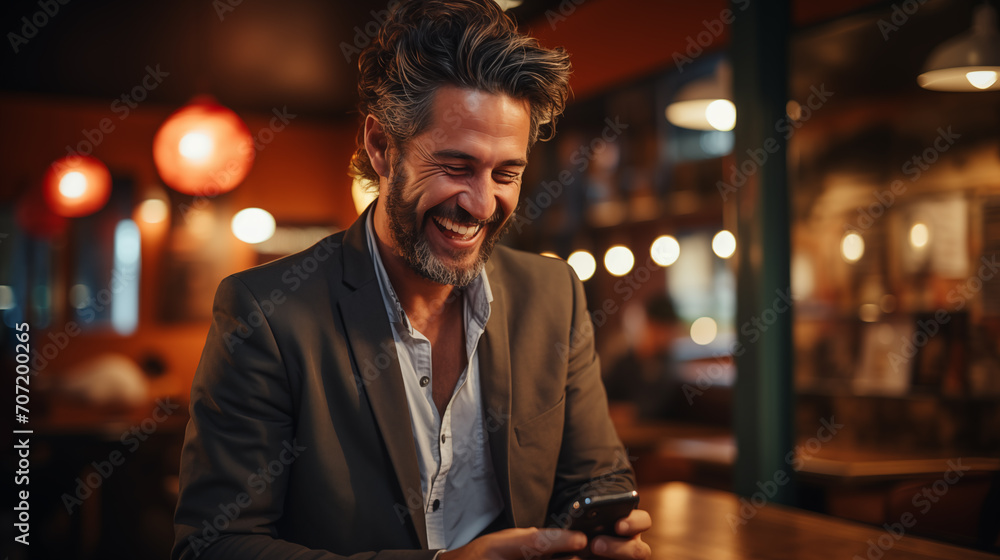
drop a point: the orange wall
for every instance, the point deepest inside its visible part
(612, 41)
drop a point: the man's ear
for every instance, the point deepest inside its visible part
(377, 146)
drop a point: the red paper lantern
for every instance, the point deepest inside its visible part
(203, 149)
(76, 186)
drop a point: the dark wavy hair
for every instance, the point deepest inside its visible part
(426, 44)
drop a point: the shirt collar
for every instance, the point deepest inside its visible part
(478, 295)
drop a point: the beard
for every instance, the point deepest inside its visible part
(411, 240)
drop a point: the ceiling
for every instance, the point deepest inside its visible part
(256, 55)
(251, 55)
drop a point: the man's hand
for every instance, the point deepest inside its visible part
(521, 544)
(631, 545)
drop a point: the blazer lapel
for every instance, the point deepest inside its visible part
(370, 337)
(494, 367)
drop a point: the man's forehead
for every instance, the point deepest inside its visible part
(466, 114)
(450, 101)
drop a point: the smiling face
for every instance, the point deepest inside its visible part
(450, 194)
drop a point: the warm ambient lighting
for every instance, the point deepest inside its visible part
(77, 186)
(724, 244)
(967, 62)
(584, 264)
(549, 254)
(665, 250)
(153, 211)
(704, 330)
(852, 247)
(203, 149)
(196, 146)
(919, 235)
(721, 114)
(704, 104)
(253, 225)
(619, 260)
(362, 195)
(981, 79)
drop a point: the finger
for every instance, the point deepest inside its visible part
(636, 522)
(624, 549)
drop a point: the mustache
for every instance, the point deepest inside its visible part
(460, 215)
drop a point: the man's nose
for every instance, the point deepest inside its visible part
(479, 199)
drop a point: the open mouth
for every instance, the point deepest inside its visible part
(454, 230)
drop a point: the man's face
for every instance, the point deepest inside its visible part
(453, 191)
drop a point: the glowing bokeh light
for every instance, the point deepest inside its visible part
(704, 330)
(253, 225)
(665, 250)
(619, 260)
(584, 264)
(852, 247)
(724, 244)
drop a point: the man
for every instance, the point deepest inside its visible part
(401, 390)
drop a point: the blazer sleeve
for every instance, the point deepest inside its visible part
(592, 460)
(242, 420)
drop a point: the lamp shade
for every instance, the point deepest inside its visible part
(203, 149)
(76, 186)
(705, 103)
(968, 62)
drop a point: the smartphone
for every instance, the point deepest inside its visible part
(599, 514)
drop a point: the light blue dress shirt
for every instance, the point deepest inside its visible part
(460, 492)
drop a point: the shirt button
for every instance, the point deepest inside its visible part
(436, 505)
(443, 438)
(424, 381)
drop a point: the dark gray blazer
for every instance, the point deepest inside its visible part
(300, 445)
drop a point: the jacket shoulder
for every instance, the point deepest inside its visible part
(530, 273)
(315, 263)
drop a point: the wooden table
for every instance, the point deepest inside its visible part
(692, 523)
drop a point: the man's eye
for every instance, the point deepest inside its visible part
(507, 177)
(453, 169)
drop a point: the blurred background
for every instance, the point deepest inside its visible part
(216, 135)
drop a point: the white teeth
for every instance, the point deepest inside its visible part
(464, 231)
